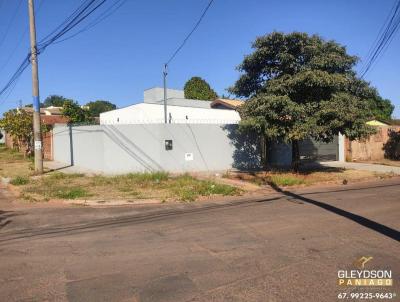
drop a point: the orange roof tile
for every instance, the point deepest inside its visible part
(233, 104)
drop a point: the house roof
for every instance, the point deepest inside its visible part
(232, 104)
(46, 111)
(377, 122)
(53, 119)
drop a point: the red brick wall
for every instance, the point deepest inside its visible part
(47, 140)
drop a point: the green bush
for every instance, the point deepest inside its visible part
(19, 181)
(71, 193)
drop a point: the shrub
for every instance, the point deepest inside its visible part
(19, 181)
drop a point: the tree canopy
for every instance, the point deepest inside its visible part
(75, 113)
(301, 86)
(198, 89)
(100, 106)
(18, 124)
(55, 100)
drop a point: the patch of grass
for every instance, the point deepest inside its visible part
(143, 178)
(13, 163)
(19, 181)
(157, 185)
(71, 193)
(286, 180)
(306, 177)
(188, 188)
(58, 175)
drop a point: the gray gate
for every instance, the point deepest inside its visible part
(311, 150)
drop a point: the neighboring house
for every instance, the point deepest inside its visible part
(377, 123)
(49, 116)
(179, 110)
(371, 149)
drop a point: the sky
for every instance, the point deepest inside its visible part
(123, 55)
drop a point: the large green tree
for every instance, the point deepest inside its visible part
(55, 100)
(301, 86)
(198, 89)
(75, 113)
(100, 106)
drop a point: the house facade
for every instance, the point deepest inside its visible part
(179, 110)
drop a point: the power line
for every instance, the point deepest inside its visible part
(112, 9)
(19, 41)
(77, 17)
(10, 23)
(385, 37)
(190, 33)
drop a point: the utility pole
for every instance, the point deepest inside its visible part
(165, 93)
(37, 135)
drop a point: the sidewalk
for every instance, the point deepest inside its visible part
(362, 166)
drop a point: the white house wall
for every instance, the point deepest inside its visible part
(153, 113)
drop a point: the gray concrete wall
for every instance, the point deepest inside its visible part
(137, 148)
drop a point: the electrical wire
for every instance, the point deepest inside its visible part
(19, 43)
(190, 33)
(77, 17)
(10, 23)
(385, 37)
(113, 8)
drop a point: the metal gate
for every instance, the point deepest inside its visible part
(311, 150)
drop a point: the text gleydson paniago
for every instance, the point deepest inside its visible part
(365, 277)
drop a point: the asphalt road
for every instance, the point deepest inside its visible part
(285, 246)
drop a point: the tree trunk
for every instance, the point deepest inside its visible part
(295, 156)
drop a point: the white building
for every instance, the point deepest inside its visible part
(179, 110)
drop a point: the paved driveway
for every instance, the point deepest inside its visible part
(287, 246)
(363, 166)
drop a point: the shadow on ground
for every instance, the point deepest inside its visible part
(5, 218)
(375, 226)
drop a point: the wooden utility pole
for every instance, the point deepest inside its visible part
(37, 134)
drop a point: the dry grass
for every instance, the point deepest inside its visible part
(13, 164)
(306, 178)
(159, 185)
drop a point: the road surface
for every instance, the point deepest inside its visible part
(285, 246)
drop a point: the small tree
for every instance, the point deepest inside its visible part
(18, 124)
(99, 106)
(198, 89)
(302, 86)
(75, 113)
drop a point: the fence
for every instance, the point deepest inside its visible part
(153, 147)
(371, 149)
